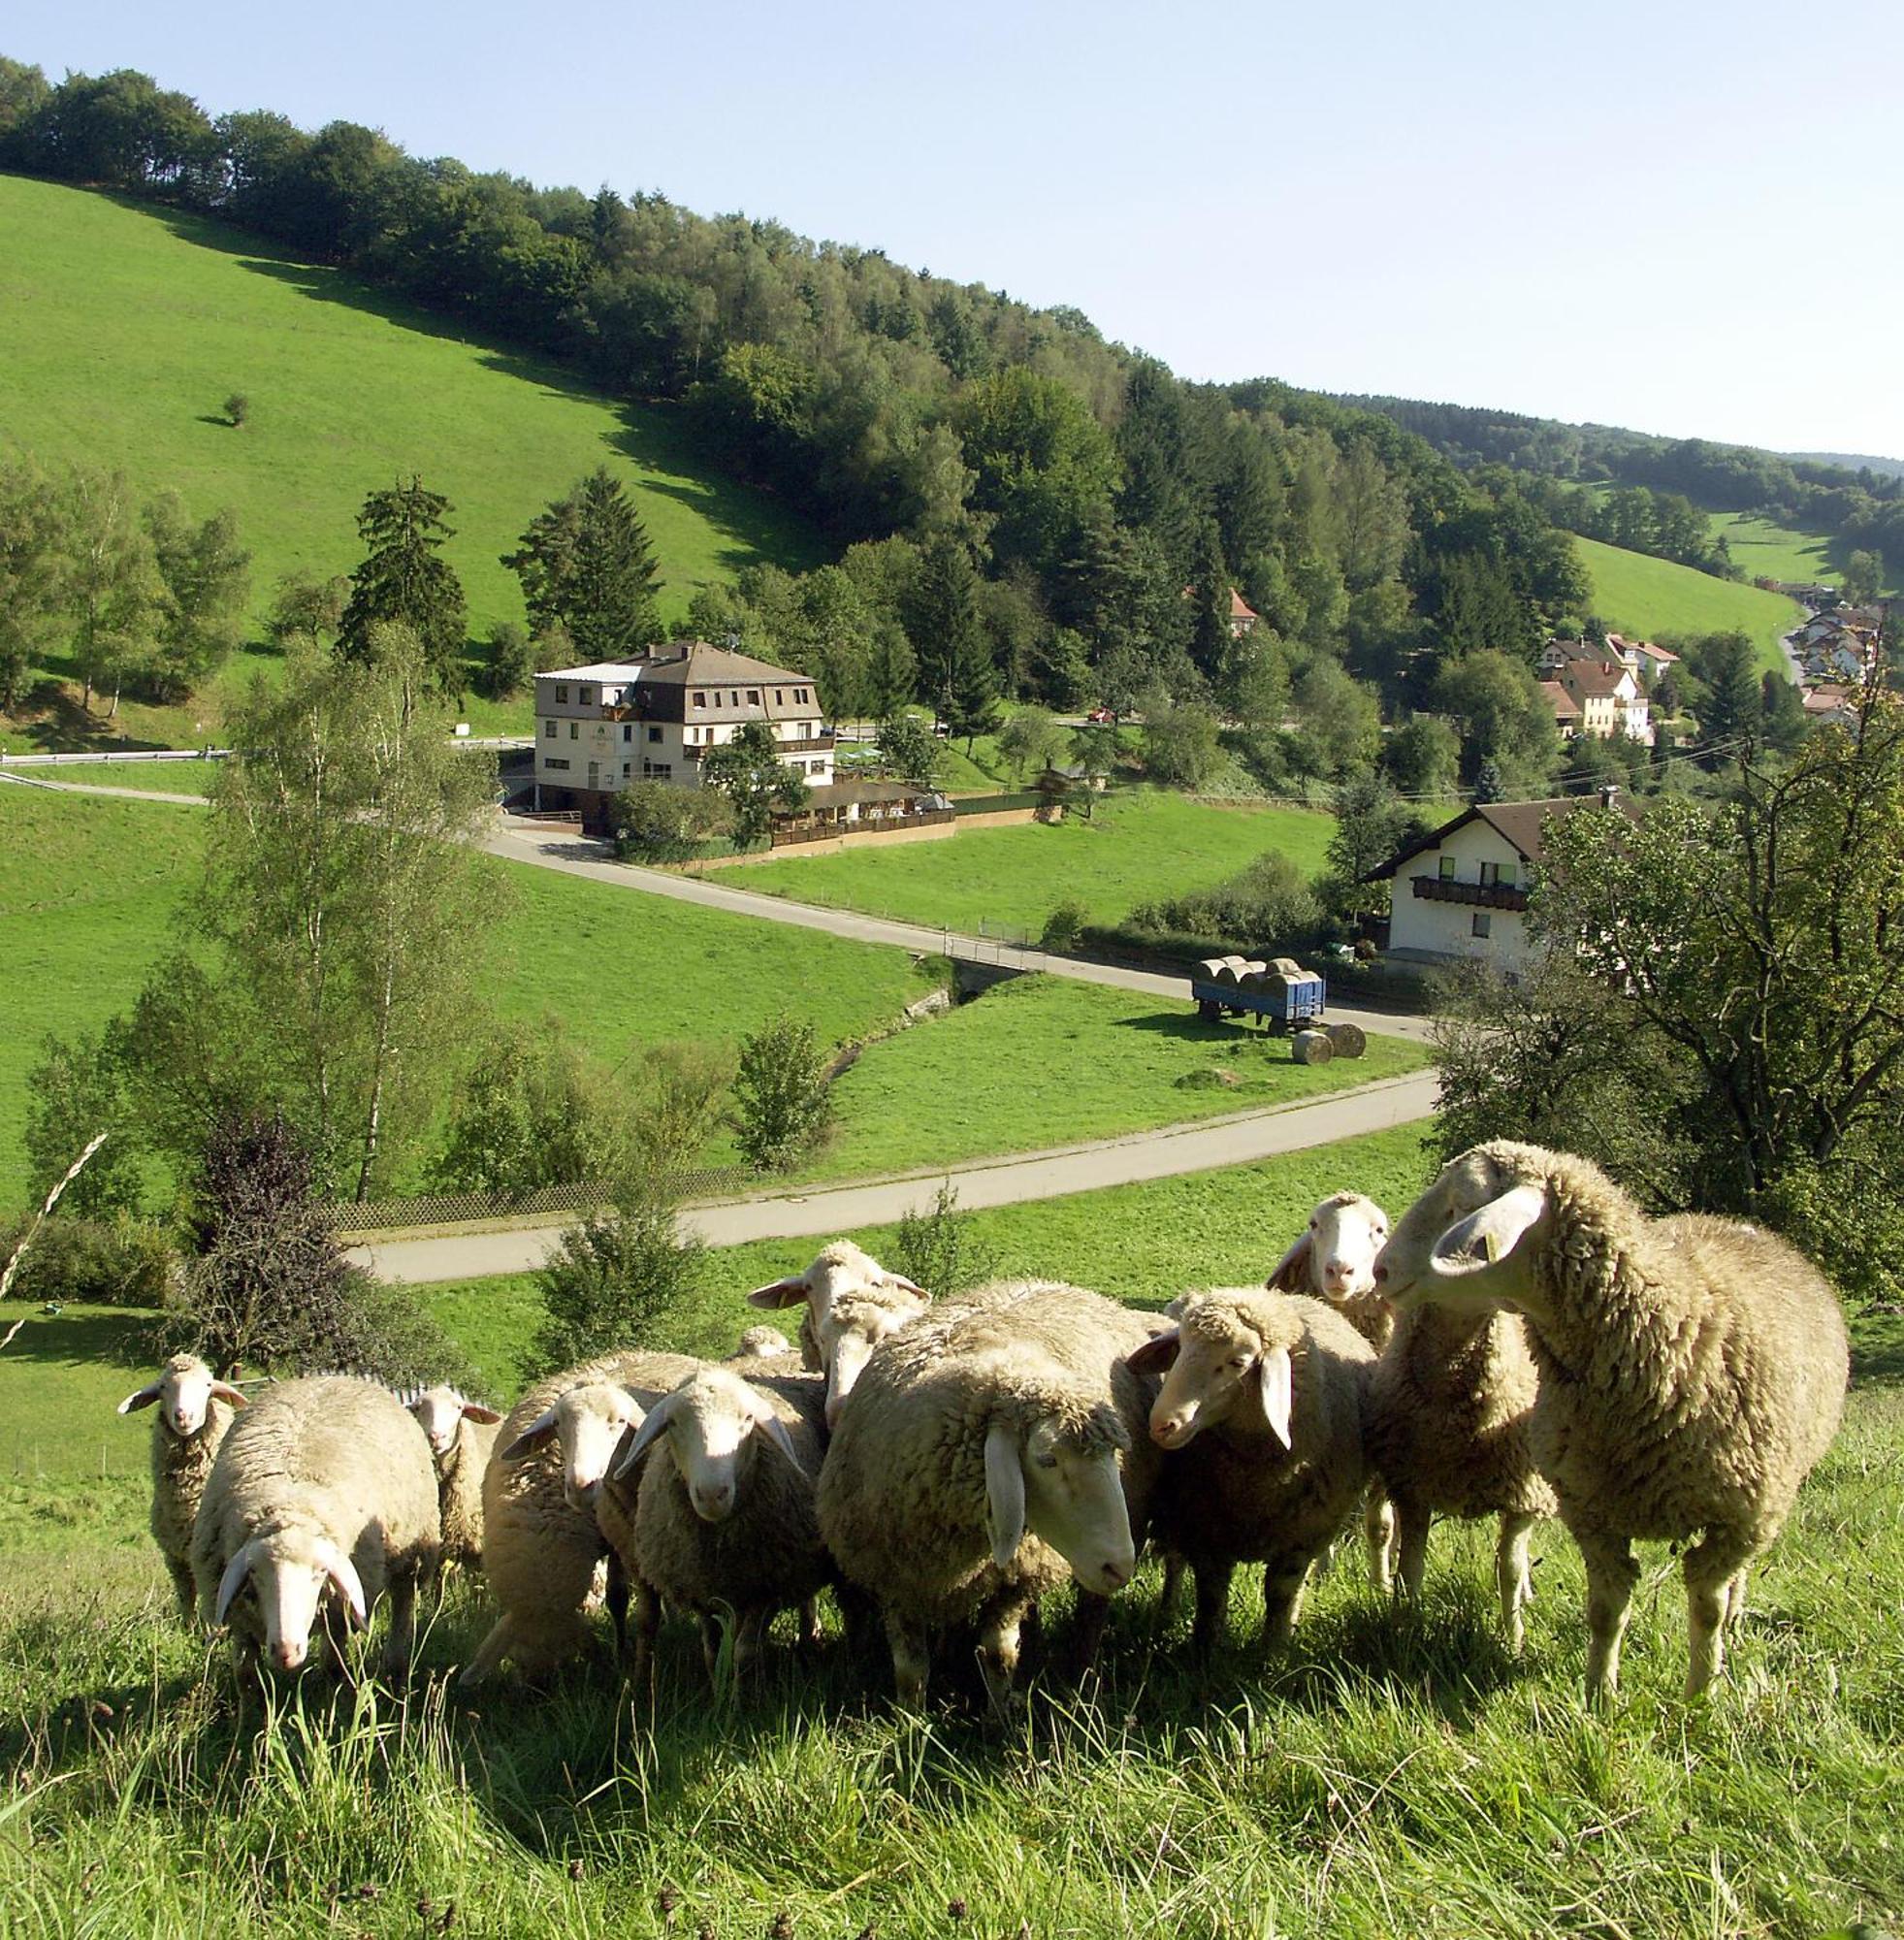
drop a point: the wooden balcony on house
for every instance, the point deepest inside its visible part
(1481, 895)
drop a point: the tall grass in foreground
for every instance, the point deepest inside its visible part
(1390, 1776)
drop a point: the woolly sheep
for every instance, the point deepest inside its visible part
(543, 1499)
(1693, 1370)
(1335, 1260)
(763, 1344)
(323, 1493)
(1447, 1432)
(461, 1434)
(1264, 1398)
(852, 1304)
(725, 1517)
(986, 1453)
(195, 1409)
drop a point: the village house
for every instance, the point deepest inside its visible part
(1467, 884)
(1609, 698)
(1243, 616)
(600, 727)
(1566, 713)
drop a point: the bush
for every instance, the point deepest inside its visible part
(780, 1103)
(508, 662)
(238, 409)
(654, 822)
(1064, 926)
(940, 1249)
(610, 1280)
(1271, 903)
(118, 1262)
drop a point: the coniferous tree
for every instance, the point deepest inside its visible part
(942, 618)
(1209, 595)
(891, 673)
(971, 704)
(586, 565)
(405, 580)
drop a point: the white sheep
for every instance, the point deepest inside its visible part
(850, 1303)
(724, 1516)
(462, 1433)
(1693, 1370)
(1333, 1259)
(1262, 1409)
(195, 1409)
(763, 1344)
(1446, 1431)
(323, 1493)
(982, 1458)
(544, 1502)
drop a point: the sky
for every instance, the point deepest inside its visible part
(1677, 217)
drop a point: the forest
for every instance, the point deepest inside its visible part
(1021, 506)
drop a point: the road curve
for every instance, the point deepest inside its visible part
(981, 1182)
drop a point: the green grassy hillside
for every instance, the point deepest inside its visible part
(124, 329)
(1652, 597)
(1762, 550)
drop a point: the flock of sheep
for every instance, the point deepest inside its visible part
(1527, 1343)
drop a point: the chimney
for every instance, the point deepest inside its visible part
(1607, 791)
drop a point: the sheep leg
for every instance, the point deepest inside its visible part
(490, 1653)
(187, 1587)
(1173, 1583)
(1735, 1600)
(1000, 1635)
(402, 1640)
(1513, 1580)
(911, 1658)
(616, 1595)
(1213, 1606)
(1710, 1567)
(1412, 1526)
(1378, 1532)
(1087, 1632)
(1612, 1574)
(806, 1633)
(710, 1645)
(647, 1628)
(1283, 1583)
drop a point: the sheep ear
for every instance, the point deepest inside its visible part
(1004, 1494)
(1291, 1273)
(1157, 1354)
(230, 1583)
(781, 1293)
(532, 1436)
(906, 1285)
(341, 1571)
(476, 1412)
(647, 1431)
(1486, 1238)
(144, 1398)
(1277, 1375)
(224, 1391)
(775, 1431)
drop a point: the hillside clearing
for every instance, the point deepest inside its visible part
(1653, 598)
(127, 327)
(1138, 845)
(1762, 550)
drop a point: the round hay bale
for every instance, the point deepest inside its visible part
(1211, 968)
(1312, 1047)
(1232, 970)
(1348, 1040)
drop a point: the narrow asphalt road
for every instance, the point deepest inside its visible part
(571, 854)
(982, 1183)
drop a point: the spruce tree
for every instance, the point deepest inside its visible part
(586, 565)
(405, 579)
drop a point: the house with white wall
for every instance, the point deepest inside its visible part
(597, 729)
(1460, 894)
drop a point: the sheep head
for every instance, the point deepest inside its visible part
(1334, 1256)
(184, 1392)
(1227, 1360)
(440, 1411)
(290, 1570)
(1471, 1241)
(854, 1324)
(587, 1425)
(1051, 1468)
(712, 1424)
(837, 1271)
(762, 1344)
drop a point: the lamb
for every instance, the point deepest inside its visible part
(544, 1504)
(984, 1451)
(323, 1493)
(1691, 1371)
(726, 1520)
(1264, 1396)
(1447, 1432)
(1335, 1260)
(852, 1304)
(195, 1409)
(462, 1433)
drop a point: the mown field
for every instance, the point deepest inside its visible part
(1139, 846)
(1653, 598)
(125, 328)
(185, 778)
(87, 887)
(1390, 1775)
(1762, 550)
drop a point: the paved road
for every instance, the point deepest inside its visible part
(561, 849)
(982, 1183)
(91, 787)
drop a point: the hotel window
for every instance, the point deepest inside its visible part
(625, 771)
(587, 696)
(551, 762)
(1447, 868)
(754, 697)
(653, 733)
(779, 697)
(801, 697)
(574, 731)
(628, 732)
(701, 701)
(549, 729)
(660, 771)
(562, 695)
(1480, 924)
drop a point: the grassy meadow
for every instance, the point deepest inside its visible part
(1138, 845)
(127, 327)
(1653, 598)
(1763, 550)
(1390, 1775)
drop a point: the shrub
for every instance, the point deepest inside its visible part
(1271, 902)
(508, 663)
(654, 822)
(940, 1249)
(238, 409)
(780, 1103)
(610, 1280)
(1064, 926)
(119, 1262)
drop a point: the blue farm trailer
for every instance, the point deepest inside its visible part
(1282, 992)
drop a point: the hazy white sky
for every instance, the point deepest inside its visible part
(1679, 216)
